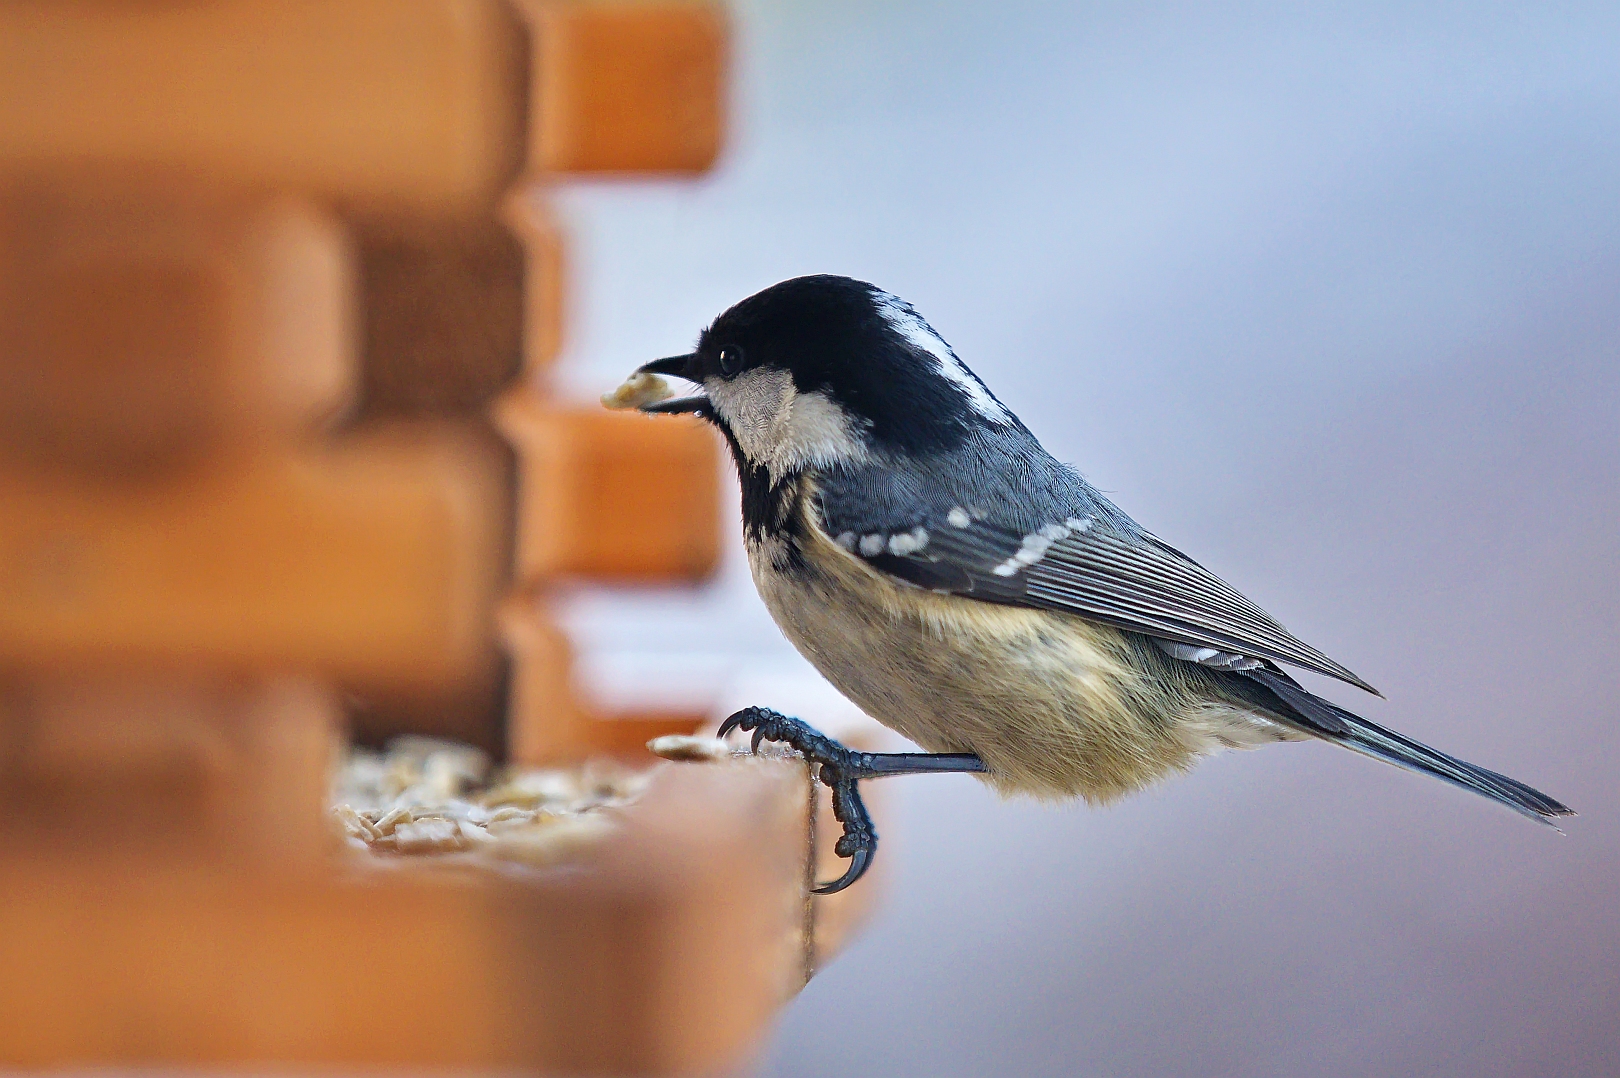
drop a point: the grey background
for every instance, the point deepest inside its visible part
(1328, 298)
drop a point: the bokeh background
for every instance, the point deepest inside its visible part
(1328, 296)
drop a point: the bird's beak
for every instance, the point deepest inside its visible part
(684, 367)
(678, 366)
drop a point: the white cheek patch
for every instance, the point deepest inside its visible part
(781, 428)
(753, 404)
(820, 433)
(921, 336)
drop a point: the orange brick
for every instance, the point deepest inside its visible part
(470, 707)
(375, 561)
(667, 953)
(402, 103)
(627, 87)
(545, 283)
(444, 305)
(141, 317)
(471, 710)
(455, 309)
(612, 495)
(548, 722)
(168, 763)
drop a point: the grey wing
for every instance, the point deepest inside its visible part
(1092, 567)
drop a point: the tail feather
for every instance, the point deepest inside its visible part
(1312, 715)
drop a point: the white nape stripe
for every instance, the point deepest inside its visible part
(904, 320)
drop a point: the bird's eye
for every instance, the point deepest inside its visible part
(731, 360)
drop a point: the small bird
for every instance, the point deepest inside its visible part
(917, 545)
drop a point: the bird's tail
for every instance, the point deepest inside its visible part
(1311, 714)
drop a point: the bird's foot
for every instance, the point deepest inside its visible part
(839, 769)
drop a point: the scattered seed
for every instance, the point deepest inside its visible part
(392, 819)
(687, 748)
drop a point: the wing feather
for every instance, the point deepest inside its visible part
(1094, 569)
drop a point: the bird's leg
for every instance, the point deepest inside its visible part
(840, 768)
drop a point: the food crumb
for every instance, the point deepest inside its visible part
(638, 391)
(685, 747)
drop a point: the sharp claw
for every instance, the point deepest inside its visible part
(836, 767)
(857, 868)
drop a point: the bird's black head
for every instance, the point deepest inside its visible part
(824, 370)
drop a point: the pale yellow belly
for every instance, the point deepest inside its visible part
(1055, 705)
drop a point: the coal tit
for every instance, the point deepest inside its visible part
(917, 544)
